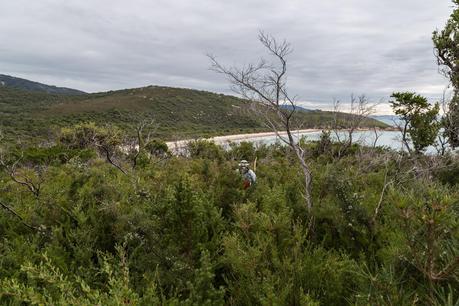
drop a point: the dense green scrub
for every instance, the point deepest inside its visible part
(181, 230)
(178, 113)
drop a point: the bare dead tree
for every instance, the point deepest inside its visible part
(264, 84)
(347, 122)
(377, 136)
(144, 131)
(336, 124)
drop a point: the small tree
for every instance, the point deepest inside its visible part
(446, 46)
(419, 120)
(106, 140)
(265, 84)
(144, 146)
(31, 177)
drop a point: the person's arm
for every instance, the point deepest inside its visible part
(253, 176)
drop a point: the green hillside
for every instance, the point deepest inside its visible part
(18, 83)
(179, 113)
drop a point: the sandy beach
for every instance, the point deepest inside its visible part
(180, 144)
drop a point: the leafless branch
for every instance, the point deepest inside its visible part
(345, 124)
(34, 186)
(377, 136)
(265, 84)
(381, 197)
(148, 126)
(21, 219)
(109, 156)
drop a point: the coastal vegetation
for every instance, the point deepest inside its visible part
(178, 113)
(96, 210)
(83, 227)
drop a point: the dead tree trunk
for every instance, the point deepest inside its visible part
(265, 85)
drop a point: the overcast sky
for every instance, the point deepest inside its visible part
(341, 47)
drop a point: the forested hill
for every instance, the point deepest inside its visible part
(178, 112)
(14, 82)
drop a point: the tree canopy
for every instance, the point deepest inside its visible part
(418, 119)
(446, 46)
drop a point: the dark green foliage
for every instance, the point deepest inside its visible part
(325, 143)
(56, 154)
(157, 147)
(89, 135)
(419, 119)
(446, 46)
(426, 259)
(205, 149)
(182, 230)
(244, 150)
(451, 122)
(449, 174)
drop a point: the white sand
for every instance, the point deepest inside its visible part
(180, 144)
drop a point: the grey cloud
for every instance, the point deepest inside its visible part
(361, 46)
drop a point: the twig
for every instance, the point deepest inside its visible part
(14, 213)
(381, 197)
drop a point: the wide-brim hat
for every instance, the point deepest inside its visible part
(243, 163)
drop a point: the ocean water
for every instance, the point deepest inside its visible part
(388, 139)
